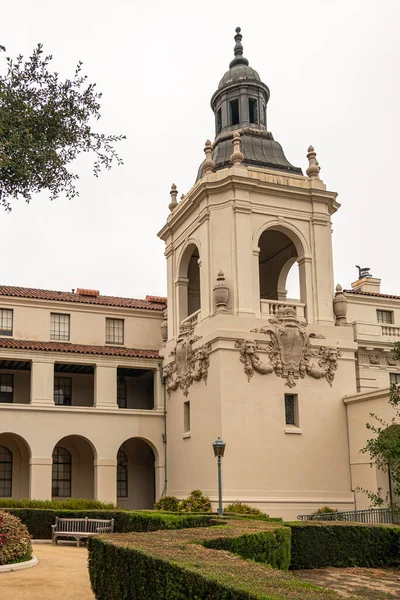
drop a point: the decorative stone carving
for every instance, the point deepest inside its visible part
(237, 156)
(164, 327)
(209, 164)
(313, 165)
(174, 192)
(340, 306)
(289, 352)
(391, 361)
(374, 359)
(189, 364)
(221, 292)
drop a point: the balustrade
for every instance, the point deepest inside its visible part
(391, 331)
(271, 307)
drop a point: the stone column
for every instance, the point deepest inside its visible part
(158, 390)
(105, 386)
(40, 478)
(307, 288)
(105, 480)
(159, 473)
(42, 382)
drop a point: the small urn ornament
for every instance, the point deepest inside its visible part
(221, 292)
(164, 327)
(340, 306)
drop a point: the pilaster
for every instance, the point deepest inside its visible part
(40, 478)
(105, 386)
(105, 480)
(42, 382)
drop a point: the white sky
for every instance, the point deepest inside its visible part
(333, 70)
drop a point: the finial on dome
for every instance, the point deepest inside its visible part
(313, 168)
(209, 164)
(238, 50)
(174, 192)
(237, 156)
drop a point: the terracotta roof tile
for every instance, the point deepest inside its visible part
(373, 294)
(76, 348)
(151, 302)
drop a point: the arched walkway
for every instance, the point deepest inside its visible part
(73, 468)
(14, 466)
(135, 475)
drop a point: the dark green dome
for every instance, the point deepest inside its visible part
(237, 74)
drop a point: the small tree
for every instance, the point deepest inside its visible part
(384, 447)
(45, 123)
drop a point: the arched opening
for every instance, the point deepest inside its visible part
(189, 282)
(135, 475)
(73, 468)
(279, 275)
(14, 466)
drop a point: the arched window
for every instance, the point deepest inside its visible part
(5, 472)
(188, 288)
(122, 474)
(61, 475)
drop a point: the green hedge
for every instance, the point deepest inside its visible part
(39, 521)
(343, 545)
(69, 504)
(175, 565)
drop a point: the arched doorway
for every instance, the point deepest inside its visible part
(135, 475)
(73, 468)
(189, 282)
(14, 466)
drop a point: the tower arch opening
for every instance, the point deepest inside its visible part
(189, 282)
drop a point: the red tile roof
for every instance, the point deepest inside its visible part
(76, 348)
(373, 294)
(151, 302)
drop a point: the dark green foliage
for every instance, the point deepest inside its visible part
(239, 508)
(39, 521)
(343, 545)
(169, 503)
(195, 502)
(118, 573)
(271, 547)
(45, 123)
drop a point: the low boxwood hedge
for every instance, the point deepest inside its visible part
(39, 521)
(338, 544)
(182, 565)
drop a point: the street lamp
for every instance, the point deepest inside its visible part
(219, 450)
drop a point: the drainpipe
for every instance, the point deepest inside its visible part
(164, 435)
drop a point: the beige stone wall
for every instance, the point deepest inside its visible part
(359, 408)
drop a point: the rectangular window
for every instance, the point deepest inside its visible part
(291, 412)
(234, 112)
(63, 391)
(253, 111)
(6, 387)
(6, 321)
(394, 378)
(121, 392)
(186, 417)
(59, 327)
(114, 331)
(219, 121)
(385, 316)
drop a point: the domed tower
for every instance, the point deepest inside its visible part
(242, 360)
(240, 104)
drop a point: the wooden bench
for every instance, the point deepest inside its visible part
(80, 528)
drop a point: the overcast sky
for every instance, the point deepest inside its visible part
(332, 67)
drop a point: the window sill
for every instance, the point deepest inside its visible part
(186, 435)
(293, 429)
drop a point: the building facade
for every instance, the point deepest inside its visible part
(120, 400)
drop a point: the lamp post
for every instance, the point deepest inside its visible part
(219, 450)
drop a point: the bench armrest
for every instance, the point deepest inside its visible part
(53, 527)
(103, 530)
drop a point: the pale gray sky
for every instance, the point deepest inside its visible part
(331, 66)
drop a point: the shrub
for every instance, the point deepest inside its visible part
(195, 502)
(175, 566)
(39, 521)
(70, 503)
(15, 542)
(170, 503)
(239, 508)
(338, 544)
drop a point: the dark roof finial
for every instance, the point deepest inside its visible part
(238, 51)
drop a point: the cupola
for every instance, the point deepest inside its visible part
(240, 104)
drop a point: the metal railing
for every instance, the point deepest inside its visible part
(370, 515)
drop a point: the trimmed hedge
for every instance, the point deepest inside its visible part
(39, 521)
(69, 504)
(338, 544)
(175, 566)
